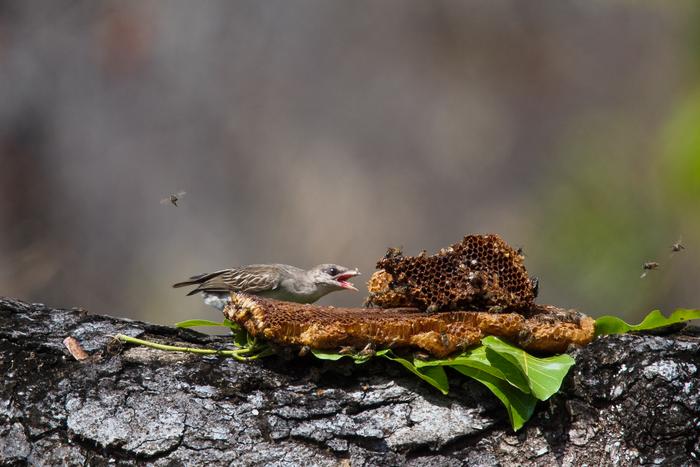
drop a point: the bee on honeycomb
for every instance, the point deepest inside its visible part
(482, 272)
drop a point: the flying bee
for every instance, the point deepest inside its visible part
(678, 246)
(173, 198)
(649, 266)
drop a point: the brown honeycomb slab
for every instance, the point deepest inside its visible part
(482, 272)
(545, 329)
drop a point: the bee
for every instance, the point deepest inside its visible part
(535, 281)
(678, 246)
(368, 351)
(393, 253)
(445, 340)
(173, 198)
(649, 266)
(369, 301)
(421, 356)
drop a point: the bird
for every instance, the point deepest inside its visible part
(276, 281)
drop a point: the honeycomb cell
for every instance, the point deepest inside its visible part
(545, 329)
(479, 273)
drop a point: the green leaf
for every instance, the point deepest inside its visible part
(544, 375)
(191, 323)
(327, 355)
(334, 356)
(240, 336)
(519, 405)
(477, 358)
(434, 375)
(231, 324)
(612, 325)
(511, 371)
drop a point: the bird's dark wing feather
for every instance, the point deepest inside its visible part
(199, 278)
(250, 279)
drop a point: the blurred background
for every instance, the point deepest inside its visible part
(324, 131)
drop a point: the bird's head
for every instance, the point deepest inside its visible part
(333, 276)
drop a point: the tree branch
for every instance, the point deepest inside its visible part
(629, 399)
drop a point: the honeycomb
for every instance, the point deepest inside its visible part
(381, 292)
(544, 329)
(482, 272)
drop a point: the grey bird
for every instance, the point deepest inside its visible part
(277, 281)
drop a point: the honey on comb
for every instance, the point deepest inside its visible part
(482, 272)
(545, 329)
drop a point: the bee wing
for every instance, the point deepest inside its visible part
(180, 194)
(165, 200)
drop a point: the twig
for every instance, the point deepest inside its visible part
(238, 354)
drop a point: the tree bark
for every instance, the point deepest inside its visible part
(629, 400)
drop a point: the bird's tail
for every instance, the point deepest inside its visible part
(191, 281)
(197, 280)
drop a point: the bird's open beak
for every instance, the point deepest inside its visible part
(342, 279)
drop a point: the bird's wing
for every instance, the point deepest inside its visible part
(250, 279)
(199, 278)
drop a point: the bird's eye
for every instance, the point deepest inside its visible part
(332, 271)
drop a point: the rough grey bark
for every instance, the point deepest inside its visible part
(629, 399)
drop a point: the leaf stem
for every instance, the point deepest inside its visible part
(238, 354)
